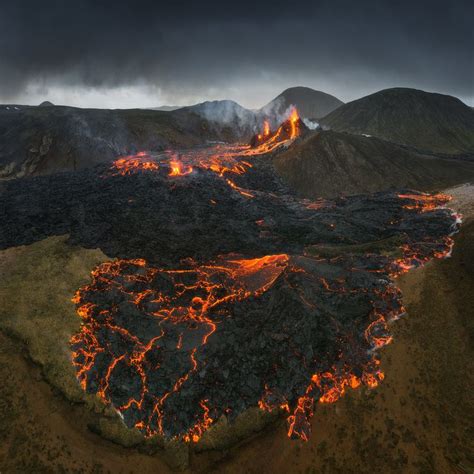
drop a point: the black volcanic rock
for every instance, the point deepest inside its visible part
(432, 122)
(221, 299)
(262, 347)
(119, 214)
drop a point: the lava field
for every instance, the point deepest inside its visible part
(217, 300)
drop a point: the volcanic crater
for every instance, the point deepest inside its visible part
(226, 291)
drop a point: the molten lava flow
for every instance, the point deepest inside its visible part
(425, 202)
(266, 128)
(131, 164)
(151, 341)
(280, 307)
(294, 118)
(173, 350)
(241, 191)
(267, 141)
(176, 169)
(418, 253)
(328, 387)
(176, 308)
(221, 159)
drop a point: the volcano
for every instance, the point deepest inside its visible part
(267, 140)
(222, 295)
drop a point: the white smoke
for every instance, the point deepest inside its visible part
(231, 114)
(227, 113)
(275, 112)
(311, 124)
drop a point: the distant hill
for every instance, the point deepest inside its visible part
(330, 163)
(166, 108)
(424, 120)
(46, 103)
(226, 113)
(309, 102)
(41, 140)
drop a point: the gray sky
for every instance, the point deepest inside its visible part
(145, 53)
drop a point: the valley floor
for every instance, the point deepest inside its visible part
(420, 419)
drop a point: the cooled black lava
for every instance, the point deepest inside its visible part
(219, 300)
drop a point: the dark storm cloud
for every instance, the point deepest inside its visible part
(193, 45)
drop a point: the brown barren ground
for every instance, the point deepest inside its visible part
(420, 419)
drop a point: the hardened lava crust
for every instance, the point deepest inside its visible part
(222, 296)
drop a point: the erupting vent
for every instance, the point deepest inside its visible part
(267, 141)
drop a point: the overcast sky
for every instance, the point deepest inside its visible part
(149, 53)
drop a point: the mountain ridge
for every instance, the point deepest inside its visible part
(330, 163)
(425, 120)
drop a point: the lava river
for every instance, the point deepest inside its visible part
(220, 297)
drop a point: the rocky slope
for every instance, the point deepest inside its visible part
(330, 163)
(424, 120)
(45, 139)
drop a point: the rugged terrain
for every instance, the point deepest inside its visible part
(193, 288)
(420, 419)
(46, 139)
(330, 163)
(427, 121)
(208, 242)
(422, 422)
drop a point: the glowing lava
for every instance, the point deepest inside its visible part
(425, 202)
(229, 291)
(175, 349)
(221, 159)
(177, 169)
(294, 118)
(180, 310)
(266, 128)
(130, 164)
(268, 142)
